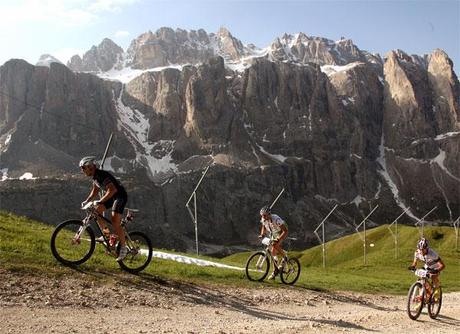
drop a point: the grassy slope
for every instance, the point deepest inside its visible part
(24, 246)
(345, 269)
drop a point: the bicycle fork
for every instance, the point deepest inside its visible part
(77, 237)
(260, 261)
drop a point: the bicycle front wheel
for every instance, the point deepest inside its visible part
(291, 271)
(415, 300)
(139, 252)
(72, 243)
(257, 266)
(435, 303)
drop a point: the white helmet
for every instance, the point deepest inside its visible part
(86, 161)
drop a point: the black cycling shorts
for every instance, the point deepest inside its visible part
(117, 203)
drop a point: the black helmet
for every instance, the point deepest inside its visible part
(265, 210)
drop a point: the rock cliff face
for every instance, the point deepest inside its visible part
(305, 49)
(167, 46)
(101, 58)
(421, 131)
(327, 121)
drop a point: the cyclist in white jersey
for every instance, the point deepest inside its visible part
(278, 231)
(433, 262)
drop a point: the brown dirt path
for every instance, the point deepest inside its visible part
(33, 304)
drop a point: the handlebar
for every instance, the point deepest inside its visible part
(424, 272)
(89, 205)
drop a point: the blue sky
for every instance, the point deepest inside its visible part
(30, 28)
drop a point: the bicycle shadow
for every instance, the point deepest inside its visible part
(213, 296)
(448, 320)
(344, 298)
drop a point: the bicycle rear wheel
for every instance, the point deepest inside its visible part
(435, 303)
(139, 252)
(72, 243)
(415, 300)
(291, 271)
(257, 266)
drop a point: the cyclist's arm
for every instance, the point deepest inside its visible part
(414, 262)
(262, 230)
(93, 193)
(441, 265)
(284, 232)
(111, 190)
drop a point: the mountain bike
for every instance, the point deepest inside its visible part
(258, 265)
(73, 241)
(418, 297)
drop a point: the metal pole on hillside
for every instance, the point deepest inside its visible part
(421, 222)
(106, 150)
(194, 213)
(456, 225)
(323, 239)
(107, 147)
(395, 233)
(363, 238)
(276, 199)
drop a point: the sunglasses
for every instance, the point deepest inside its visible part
(84, 167)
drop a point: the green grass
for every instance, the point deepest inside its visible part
(345, 269)
(25, 247)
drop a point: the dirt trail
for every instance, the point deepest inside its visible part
(30, 304)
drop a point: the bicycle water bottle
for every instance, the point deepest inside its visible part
(112, 240)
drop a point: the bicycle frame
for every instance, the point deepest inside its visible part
(268, 252)
(426, 281)
(92, 216)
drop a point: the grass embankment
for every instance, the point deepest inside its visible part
(25, 247)
(345, 269)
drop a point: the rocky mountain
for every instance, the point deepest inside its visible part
(329, 122)
(305, 49)
(101, 58)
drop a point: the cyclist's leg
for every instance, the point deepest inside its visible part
(277, 249)
(435, 280)
(428, 289)
(100, 208)
(117, 211)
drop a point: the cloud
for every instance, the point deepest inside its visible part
(122, 34)
(109, 5)
(63, 13)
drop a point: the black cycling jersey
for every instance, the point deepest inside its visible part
(103, 178)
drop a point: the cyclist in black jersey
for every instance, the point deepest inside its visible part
(114, 197)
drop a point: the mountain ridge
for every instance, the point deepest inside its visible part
(356, 135)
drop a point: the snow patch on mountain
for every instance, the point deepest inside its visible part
(330, 70)
(358, 200)
(447, 135)
(4, 173)
(109, 165)
(27, 176)
(439, 160)
(276, 157)
(47, 60)
(155, 157)
(386, 176)
(126, 74)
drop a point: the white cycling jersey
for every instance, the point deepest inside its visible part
(430, 259)
(273, 225)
